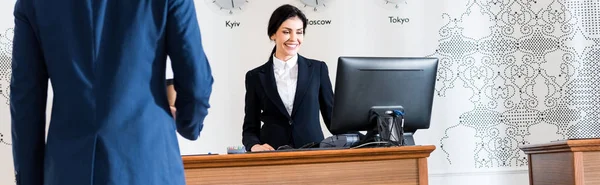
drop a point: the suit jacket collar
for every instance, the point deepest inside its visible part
(305, 72)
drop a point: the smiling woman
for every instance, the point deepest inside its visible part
(287, 92)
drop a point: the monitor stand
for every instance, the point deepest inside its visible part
(388, 131)
(409, 140)
(389, 124)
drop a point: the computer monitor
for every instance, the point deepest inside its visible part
(366, 82)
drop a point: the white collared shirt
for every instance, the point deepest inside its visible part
(286, 78)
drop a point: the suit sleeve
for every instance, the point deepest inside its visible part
(251, 126)
(326, 95)
(192, 76)
(28, 93)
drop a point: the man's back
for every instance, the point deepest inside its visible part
(110, 121)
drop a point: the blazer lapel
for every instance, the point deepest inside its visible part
(267, 79)
(305, 73)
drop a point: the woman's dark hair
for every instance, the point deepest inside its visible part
(280, 15)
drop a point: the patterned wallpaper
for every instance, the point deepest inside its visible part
(6, 165)
(525, 62)
(5, 60)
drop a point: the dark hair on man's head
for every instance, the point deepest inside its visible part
(280, 15)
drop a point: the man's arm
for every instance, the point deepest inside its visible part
(192, 73)
(28, 93)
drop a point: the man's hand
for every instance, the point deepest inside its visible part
(263, 147)
(173, 111)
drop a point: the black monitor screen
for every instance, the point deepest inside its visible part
(365, 82)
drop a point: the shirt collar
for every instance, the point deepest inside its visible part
(279, 64)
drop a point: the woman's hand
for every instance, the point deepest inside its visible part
(263, 147)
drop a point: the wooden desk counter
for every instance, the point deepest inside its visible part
(568, 162)
(405, 165)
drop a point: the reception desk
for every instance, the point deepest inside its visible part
(394, 165)
(568, 162)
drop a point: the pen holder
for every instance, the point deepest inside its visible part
(236, 150)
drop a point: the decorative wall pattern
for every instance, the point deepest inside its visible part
(525, 63)
(5, 72)
(6, 37)
(2, 141)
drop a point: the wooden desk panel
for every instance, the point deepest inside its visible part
(555, 168)
(591, 167)
(394, 165)
(568, 162)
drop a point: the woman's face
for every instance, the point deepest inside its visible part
(288, 38)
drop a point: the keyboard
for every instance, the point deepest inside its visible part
(302, 149)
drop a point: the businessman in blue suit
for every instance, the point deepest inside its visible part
(105, 59)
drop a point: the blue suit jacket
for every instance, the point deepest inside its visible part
(263, 103)
(111, 122)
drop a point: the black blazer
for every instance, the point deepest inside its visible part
(263, 103)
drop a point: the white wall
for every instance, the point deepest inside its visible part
(359, 28)
(502, 83)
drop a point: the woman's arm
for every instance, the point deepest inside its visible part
(326, 95)
(251, 126)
